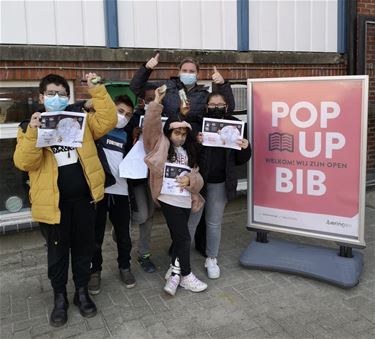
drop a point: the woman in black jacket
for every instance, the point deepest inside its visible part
(186, 80)
(217, 167)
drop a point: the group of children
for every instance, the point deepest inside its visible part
(73, 189)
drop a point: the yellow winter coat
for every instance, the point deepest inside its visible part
(41, 164)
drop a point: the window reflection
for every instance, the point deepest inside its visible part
(13, 183)
(18, 103)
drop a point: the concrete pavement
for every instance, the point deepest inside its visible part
(241, 304)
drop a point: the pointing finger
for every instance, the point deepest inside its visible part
(157, 56)
(215, 69)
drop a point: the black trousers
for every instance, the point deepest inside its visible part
(74, 234)
(177, 221)
(117, 207)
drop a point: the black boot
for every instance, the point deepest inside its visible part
(82, 299)
(59, 315)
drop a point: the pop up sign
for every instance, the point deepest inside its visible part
(308, 169)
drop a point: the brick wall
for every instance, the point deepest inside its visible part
(367, 7)
(125, 71)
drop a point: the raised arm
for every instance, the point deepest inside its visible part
(152, 125)
(105, 117)
(224, 88)
(141, 77)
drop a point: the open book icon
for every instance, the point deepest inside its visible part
(281, 142)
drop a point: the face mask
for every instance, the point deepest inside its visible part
(188, 79)
(216, 112)
(146, 106)
(121, 121)
(54, 104)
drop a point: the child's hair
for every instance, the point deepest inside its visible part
(149, 86)
(53, 79)
(190, 61)
(190, 146)
(215, 94)
(124, 99)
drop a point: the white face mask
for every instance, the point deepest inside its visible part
(121, 121)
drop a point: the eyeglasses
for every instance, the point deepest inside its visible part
(216, 106)
(61, 94)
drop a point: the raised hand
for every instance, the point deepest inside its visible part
(160, 94)
(151, 64)
(92, 80)
(217, 78)
(35, 120)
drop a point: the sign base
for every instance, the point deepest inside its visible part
(315, 262)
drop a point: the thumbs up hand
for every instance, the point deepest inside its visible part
(217, 77)
(151, 64)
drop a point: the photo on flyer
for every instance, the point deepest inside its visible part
(222, 133)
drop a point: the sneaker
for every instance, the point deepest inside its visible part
(169, 272)
(172, 284)
(127, 277)
(94, 283)
(146, 263)
(192, 283)
(213, 270)
(173, 268)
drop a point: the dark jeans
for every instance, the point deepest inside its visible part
(75, 233)
(117, 207)
(177, 221)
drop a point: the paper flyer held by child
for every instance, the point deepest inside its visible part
(222, 133)
(170, 184)
(61, 129)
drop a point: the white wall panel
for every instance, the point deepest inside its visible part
(12, 31)
(125, 23)
(191, 24)
(40, 21)
(169, 24)
(303, 25)
(286, 26)
(53, 22)
(268, 25)
(293, 25)
(186, 24)
(212, 24)
(69, 25)
(229, 30)
(145, 24)
(93, 23)
(332, 25)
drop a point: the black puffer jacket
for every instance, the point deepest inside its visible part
(232, 158)
(197, 95)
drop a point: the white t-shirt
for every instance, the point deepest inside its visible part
(114, 159)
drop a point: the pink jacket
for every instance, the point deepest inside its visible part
(156, 146)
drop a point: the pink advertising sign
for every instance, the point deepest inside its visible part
(308, 155)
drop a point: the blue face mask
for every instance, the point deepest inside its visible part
(54, 104)
(188, 79)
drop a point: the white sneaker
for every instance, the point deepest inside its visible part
(213, 270)
(192, 283)
(173, 268)
(169, 272)
(172, 284)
